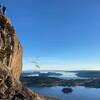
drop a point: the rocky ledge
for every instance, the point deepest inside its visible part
(11, 66)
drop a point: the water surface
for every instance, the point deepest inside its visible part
(79, 93)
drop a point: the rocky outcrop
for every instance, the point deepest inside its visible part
(15, 61)
(10, 48)
(11, 66)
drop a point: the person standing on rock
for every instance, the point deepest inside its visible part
(4, 9)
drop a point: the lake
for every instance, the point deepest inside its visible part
(79, 93)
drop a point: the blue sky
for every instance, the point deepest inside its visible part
(64, 34)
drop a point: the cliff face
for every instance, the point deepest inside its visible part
(11, 66)
(15, 61)
(10, 48)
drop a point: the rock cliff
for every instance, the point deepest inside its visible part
(10, 48)
(11, 65)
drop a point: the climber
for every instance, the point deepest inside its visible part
(4, 9)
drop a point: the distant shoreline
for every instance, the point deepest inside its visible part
(43, 81)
